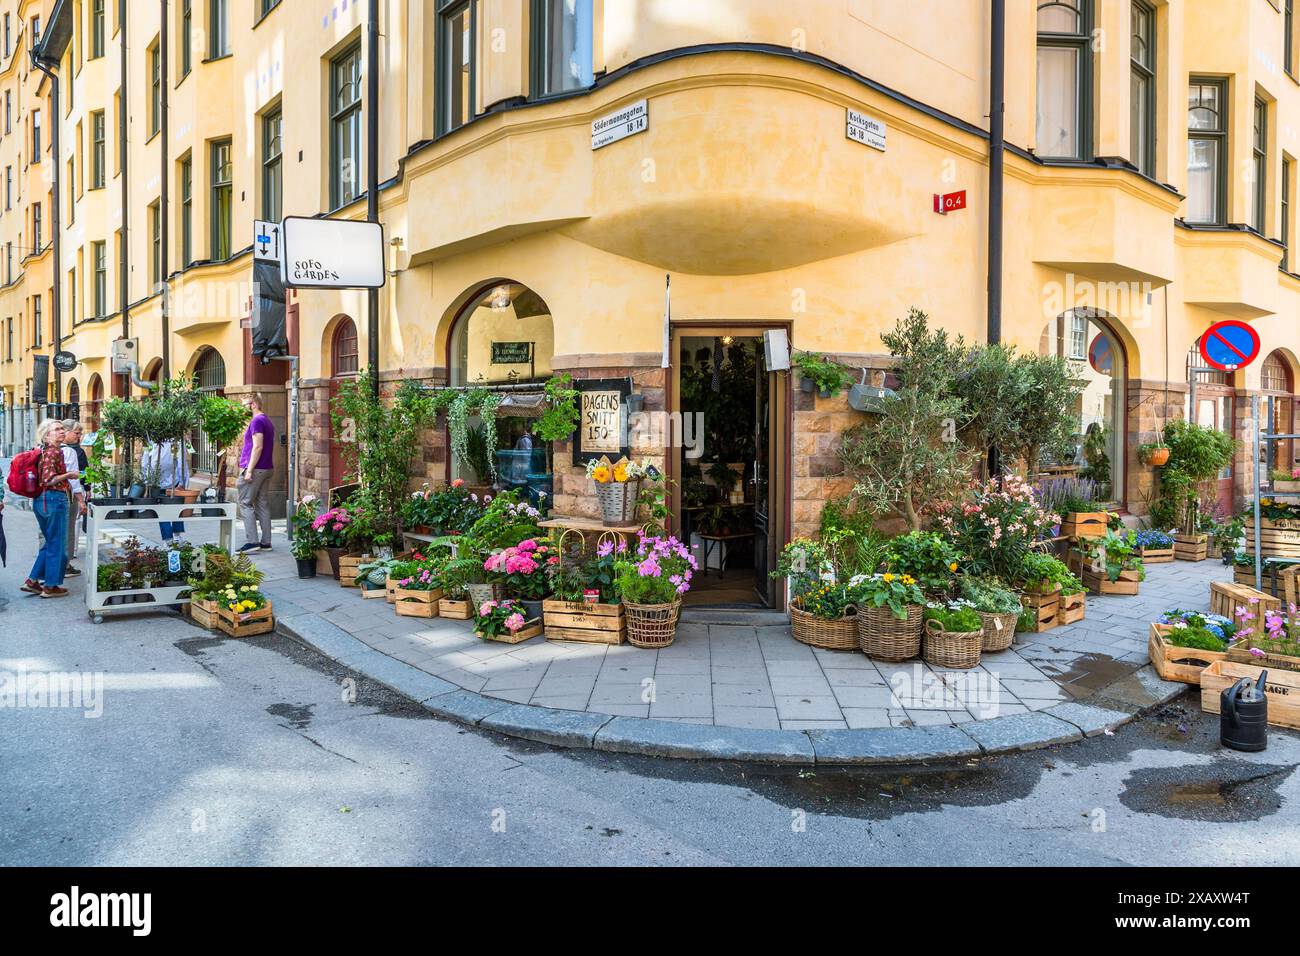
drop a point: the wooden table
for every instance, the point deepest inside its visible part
(589, 526)
(719, 540)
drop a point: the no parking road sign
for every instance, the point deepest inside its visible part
(1229, 345)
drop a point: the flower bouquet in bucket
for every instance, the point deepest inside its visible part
(618, 487)
(651, 581)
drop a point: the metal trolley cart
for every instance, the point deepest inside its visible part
(126, 518)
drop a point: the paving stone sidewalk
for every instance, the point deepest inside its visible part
(757, 677)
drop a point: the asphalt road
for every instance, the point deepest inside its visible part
(260, 752)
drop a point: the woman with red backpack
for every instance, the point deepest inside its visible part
(51, 508)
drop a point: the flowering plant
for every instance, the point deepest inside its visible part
(995, 527)
(1275, 634)
(495, 618)
(306, 539)
(242, 599)
(523, 568)
(989, 595)
(602, 471)
(449, 510)
(895, 591)
(422, 575)
(333, 527)
(925, 556)
(1285, 474)
(658, 571)
(827, 600)
(505, 521)
(1216, 624)
(1154, 539)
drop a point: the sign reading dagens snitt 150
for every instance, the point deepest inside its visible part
(332, 253)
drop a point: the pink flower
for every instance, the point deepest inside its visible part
(1256, 652)
(458, 483)
(514, 622)
(486, 608)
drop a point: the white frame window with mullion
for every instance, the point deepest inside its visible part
(562, 46)
(1207, 151)
(346, 129)
(1259, 167)
(1142, 88)
(1063, 124)
(457, 64)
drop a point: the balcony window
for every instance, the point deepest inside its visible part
(1063, 119)
(1142, 90)
(1207, 148)
(562, 46)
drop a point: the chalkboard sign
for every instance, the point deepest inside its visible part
(602, 427)
(512, 353)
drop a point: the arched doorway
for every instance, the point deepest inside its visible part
(1084, 339)
(209, 376)
(153, 373)
(1210, 405)
(503, 338)
(345, 363)
(96, 402)
(74, 400)
(1278, 387)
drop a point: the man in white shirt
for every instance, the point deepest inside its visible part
(76, 500)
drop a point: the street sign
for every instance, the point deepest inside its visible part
(628, 121)
(64, 361)
(332, 253)
(266, 241)
(1230, 345)
(1099, 355)
(865, 129)
(949, 202)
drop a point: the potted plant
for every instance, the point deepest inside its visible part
(1285, 480)
(244, 611)
(998, 608)
(1187, 484)
(372, 577)
(223, 421)
(562, 415)
(583, 605)
(819, 374)
(1155, 546)
(926, 556)
(523, 570)
(1183, 643)
(332, 527)
(651, 580)
(1155, 454)
(890, 607)
(1265, 637)
(306, 541)
(618, 485)
(954, 635)
(417, 594)
(504, 621)
(1117, 568)
(455, 576)
(214, 572)
(1042, 579)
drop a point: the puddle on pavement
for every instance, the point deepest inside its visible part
(1091, 671)
(1229, 790)
(298, 716)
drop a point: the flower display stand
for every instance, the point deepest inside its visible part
(1282, 690)
(106, 522)
(1178, 663)
(584, 622)
(248, 624)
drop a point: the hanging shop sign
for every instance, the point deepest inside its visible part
(1230, 345)
(64, 362)
(602, 425)
(865, 129)
(632, 119)
(512, 353)
(332, 253)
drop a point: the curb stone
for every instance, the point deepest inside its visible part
(1110, 707)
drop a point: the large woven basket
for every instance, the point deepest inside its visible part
(959, 649)
(998, 638)
(840, 634)
(885, 638)
(480, 594)
(652, 625)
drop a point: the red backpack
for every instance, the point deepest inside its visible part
(25, 473)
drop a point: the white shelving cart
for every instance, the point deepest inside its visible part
(105, 519)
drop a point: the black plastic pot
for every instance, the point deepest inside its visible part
(306, 567)
(807, 385)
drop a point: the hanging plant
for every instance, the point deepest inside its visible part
(487, 411)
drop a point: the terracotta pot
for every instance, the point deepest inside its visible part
(1158, 457)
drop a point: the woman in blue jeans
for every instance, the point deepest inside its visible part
(51, 508)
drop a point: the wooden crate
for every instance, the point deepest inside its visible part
(455, 610)
(588, 623)
(1270, 661)
(1156, 555)
(1273, 543)
(1098, 583)
(245, 625)
(348, 565)
(1084, 524)
(204, 614)
(1226, 596)
(1282, 690)
(323, 566)
(409, 603)
(1288, 487)
(1072, 608)
(523, 634)
(1194, 547)
(1046, 608)
(373, 594)
(390, 586)
(1178, 663)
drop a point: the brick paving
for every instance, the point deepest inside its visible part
(743, 676)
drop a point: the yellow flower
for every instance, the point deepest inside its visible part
(953, 566)
(908, 579)
(601, 474)
(620, 472)
(888, 578)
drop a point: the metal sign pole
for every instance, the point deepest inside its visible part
(1259, 568)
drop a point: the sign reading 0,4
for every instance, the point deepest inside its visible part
(602, 427)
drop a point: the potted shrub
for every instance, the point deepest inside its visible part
(1155, 454)
(332, 527)
(926, 556)
(1117, 567)
(1183, 643)
(651, 580)
(1187, 484)
(306, 541)
(998, 608)
(504, 621)
(890, 607)
(455, 601)
(1285, 480)
(953, 636)
(995, 524)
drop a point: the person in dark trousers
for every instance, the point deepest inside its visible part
(51, 508)
(79, 494)
(256, 462)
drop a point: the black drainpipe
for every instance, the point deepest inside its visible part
(125, 257)
(56, 178)
(372, 178)
(997, 111)
(164, 210)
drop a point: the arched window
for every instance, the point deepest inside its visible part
(1081, 337)
(1210, 404)
(96, 402)
(344, 356)
(1278, 411)
(1273, 375)
(74, 400)
(209, 376)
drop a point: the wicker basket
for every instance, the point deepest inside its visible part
(998, 638)
(959, 649)
(885, 638)
(652, 625)
(840, 634)
(479, 594)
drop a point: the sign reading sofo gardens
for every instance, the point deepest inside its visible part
(865, 129)
(632, 119)
(332, 253)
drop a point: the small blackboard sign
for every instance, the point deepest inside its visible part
(602, 427)
(512, 353)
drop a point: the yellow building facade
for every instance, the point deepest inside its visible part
(545, 165)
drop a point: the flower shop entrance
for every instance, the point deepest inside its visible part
(729, 461)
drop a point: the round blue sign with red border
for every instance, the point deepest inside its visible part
(1229, 345)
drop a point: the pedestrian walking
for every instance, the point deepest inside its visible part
(75, 457)
(169, 464)
(51, 508)
(256, 462)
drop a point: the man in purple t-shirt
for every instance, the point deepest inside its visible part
(256, 462)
